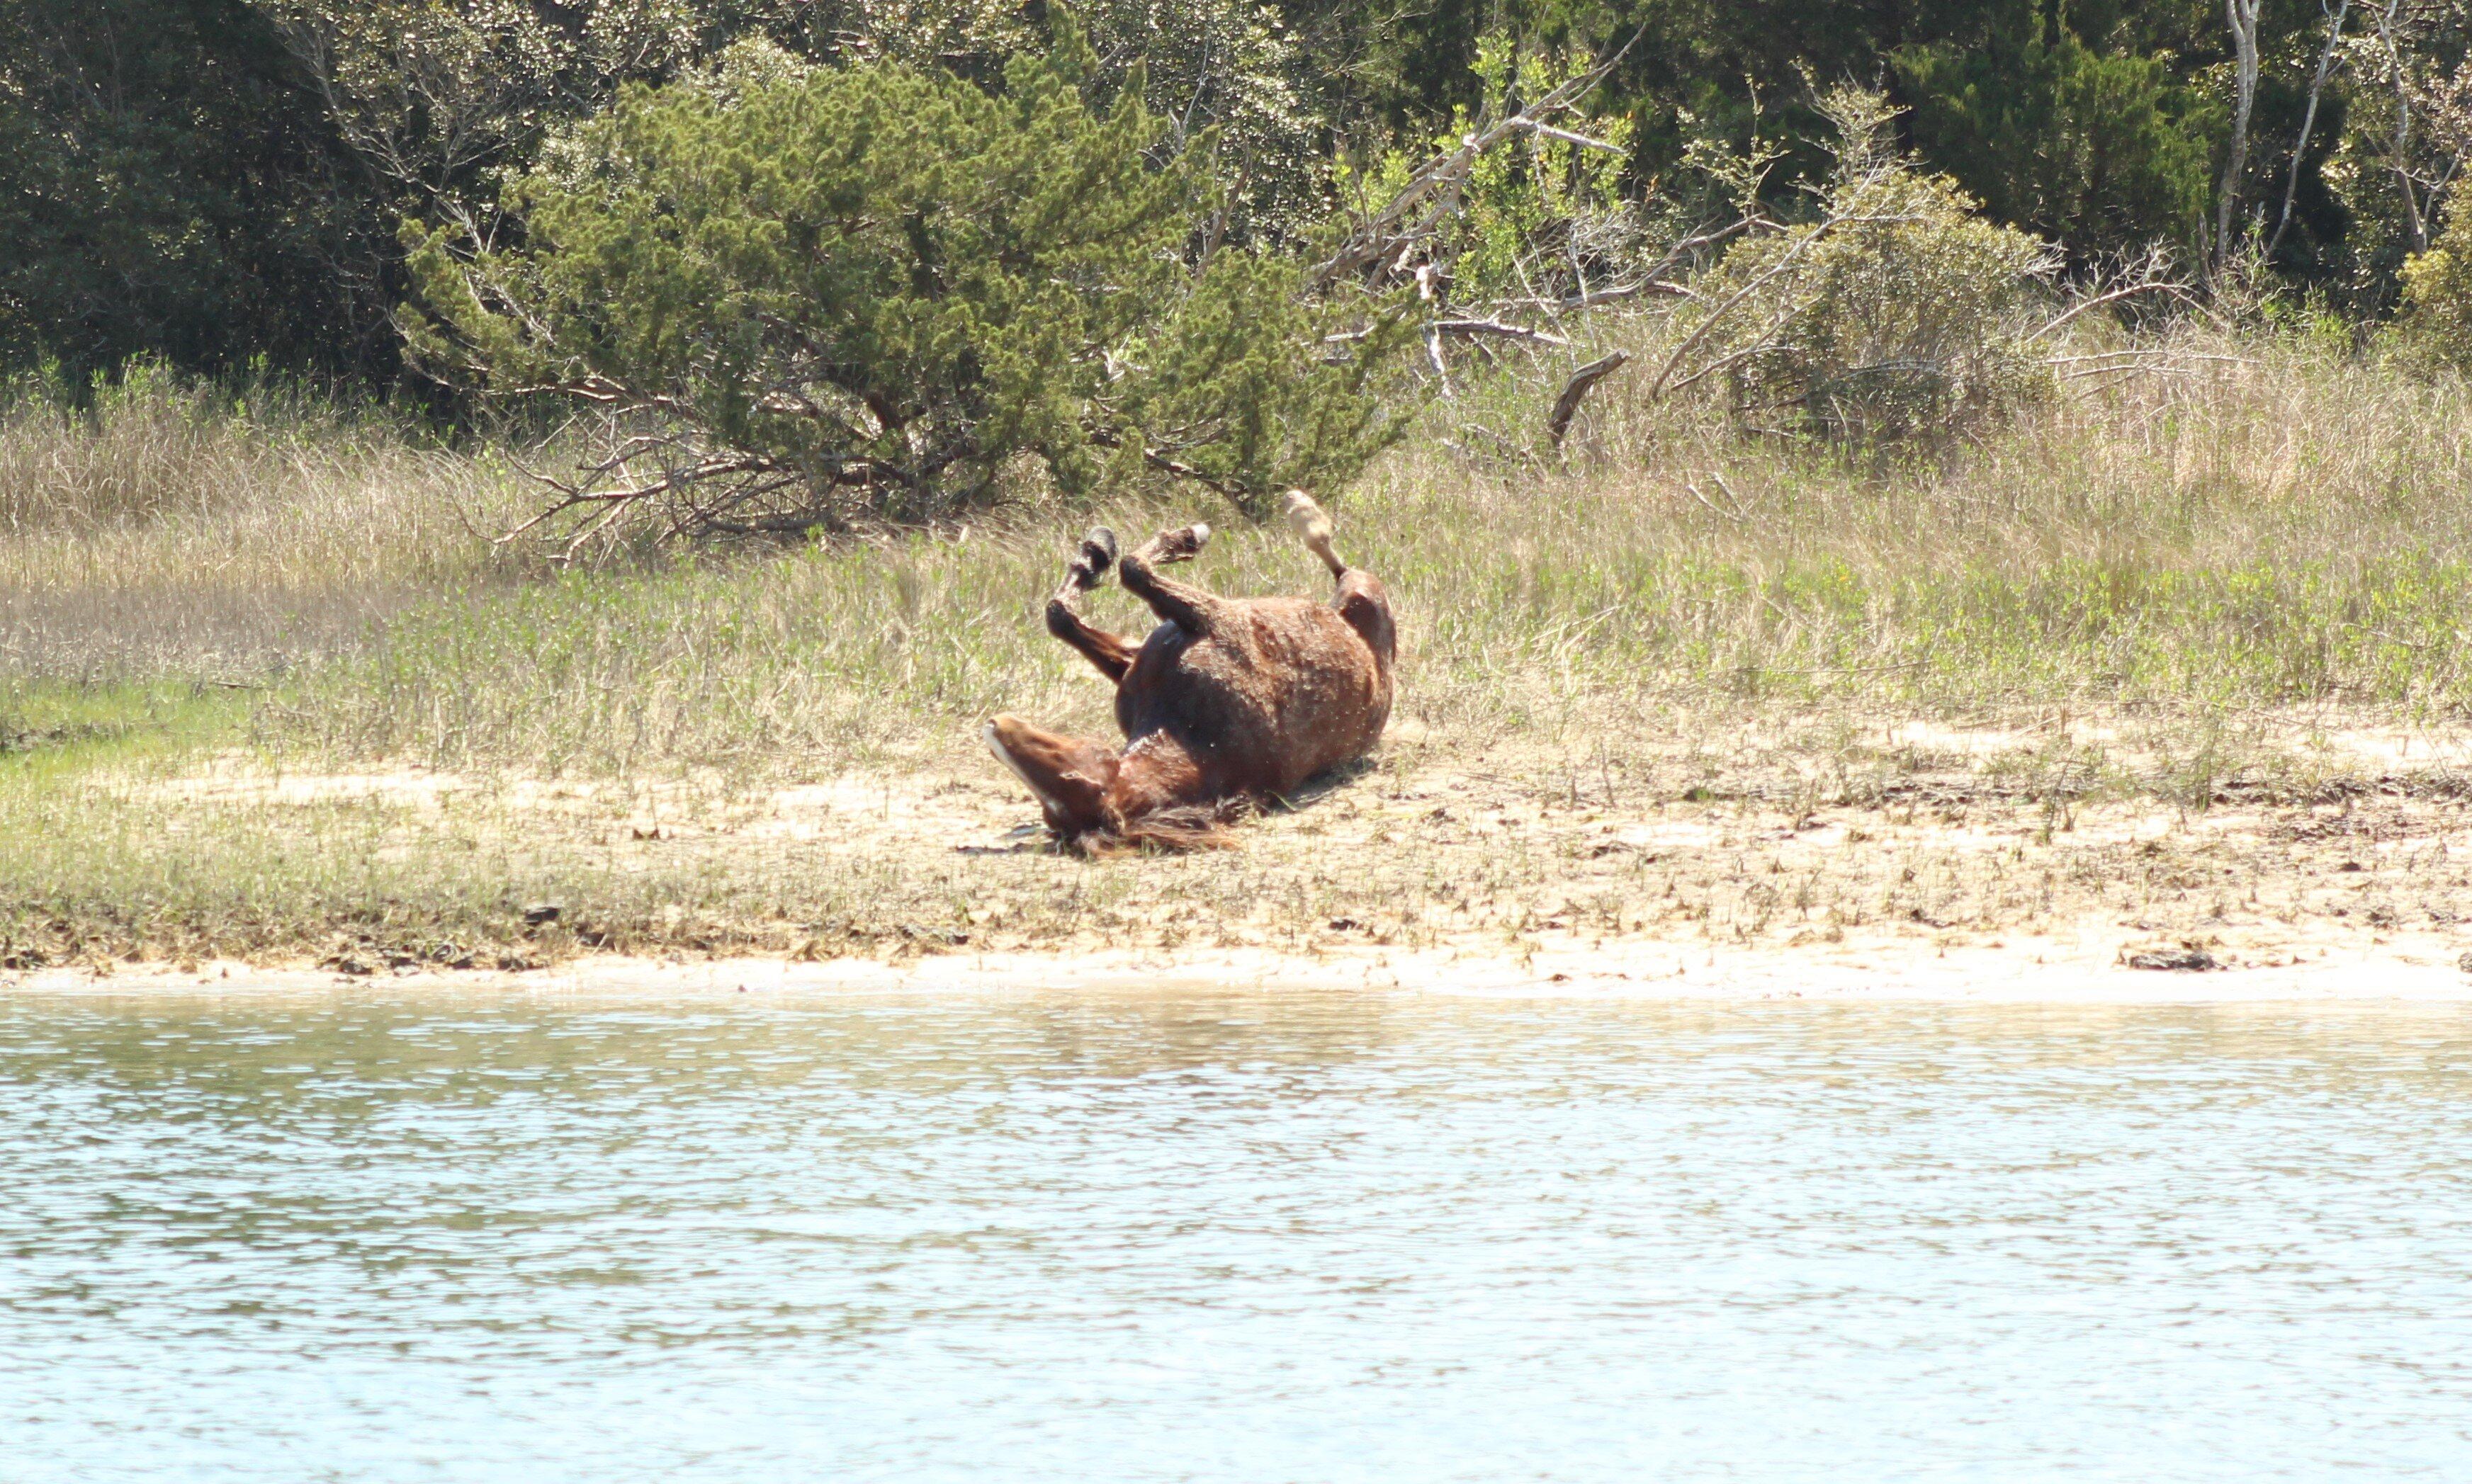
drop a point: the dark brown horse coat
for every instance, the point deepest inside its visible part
(1228, 700)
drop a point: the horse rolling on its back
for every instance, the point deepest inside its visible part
(1228, 700)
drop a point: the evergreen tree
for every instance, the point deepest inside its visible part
(866, 290)
(2100, 151)
(167, 188)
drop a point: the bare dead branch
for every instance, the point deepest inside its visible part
(1389, 234)
(2152, 277)
(1575, 390)
(1496, 327)
(1712, 506)
(2157, 358)
(2327, 57)
(2416, 220)
(1549, 132)
(1615, 293)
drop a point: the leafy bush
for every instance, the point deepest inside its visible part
(1538, 218)
(2436, 323)
(1229, 64)
(1897, 309)
(817, 295)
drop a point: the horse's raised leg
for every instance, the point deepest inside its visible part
(1313, 527)
(1360, 599)
(1188, 607)
(1107, 653)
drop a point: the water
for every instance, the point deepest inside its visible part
(1245, 1238)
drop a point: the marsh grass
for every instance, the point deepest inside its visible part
(179, 530)
(2252, 543)
(2254, 526)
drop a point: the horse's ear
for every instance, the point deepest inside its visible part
(1364, 608)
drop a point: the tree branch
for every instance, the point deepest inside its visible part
(1575, 390)
(2326, 58)
(1383, 235)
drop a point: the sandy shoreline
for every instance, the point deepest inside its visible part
(1751, 865)
(1889, 970)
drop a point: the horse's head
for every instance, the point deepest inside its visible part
(1070, 776)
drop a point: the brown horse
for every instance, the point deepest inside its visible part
(1229, 701)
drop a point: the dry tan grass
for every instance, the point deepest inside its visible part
(177, 530)
(2257, 524)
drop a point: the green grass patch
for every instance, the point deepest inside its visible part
(50, 728)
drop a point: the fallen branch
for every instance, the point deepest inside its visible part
(1575, 390)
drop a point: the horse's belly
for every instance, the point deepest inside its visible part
(1262, 710)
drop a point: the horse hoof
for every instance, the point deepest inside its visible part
(1184, 545)
(1097, 560)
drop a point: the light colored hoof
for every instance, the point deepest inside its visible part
(1307, 519)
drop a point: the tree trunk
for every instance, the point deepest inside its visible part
(2414, 223)
(2309, 122)
(2243, 15)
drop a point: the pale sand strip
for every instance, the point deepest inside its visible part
(2405, 970)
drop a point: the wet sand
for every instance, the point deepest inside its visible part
(2084, 971)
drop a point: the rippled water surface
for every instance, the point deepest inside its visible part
(1253, 1237)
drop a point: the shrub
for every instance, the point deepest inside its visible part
(1897, 309)
(2437, 322)
(815, 295)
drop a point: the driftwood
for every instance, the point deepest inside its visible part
(1576, 392)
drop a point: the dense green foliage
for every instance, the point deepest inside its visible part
(2437, 300)
(168, 186)
(2103, 151)
(884, 283)
(220, 181)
